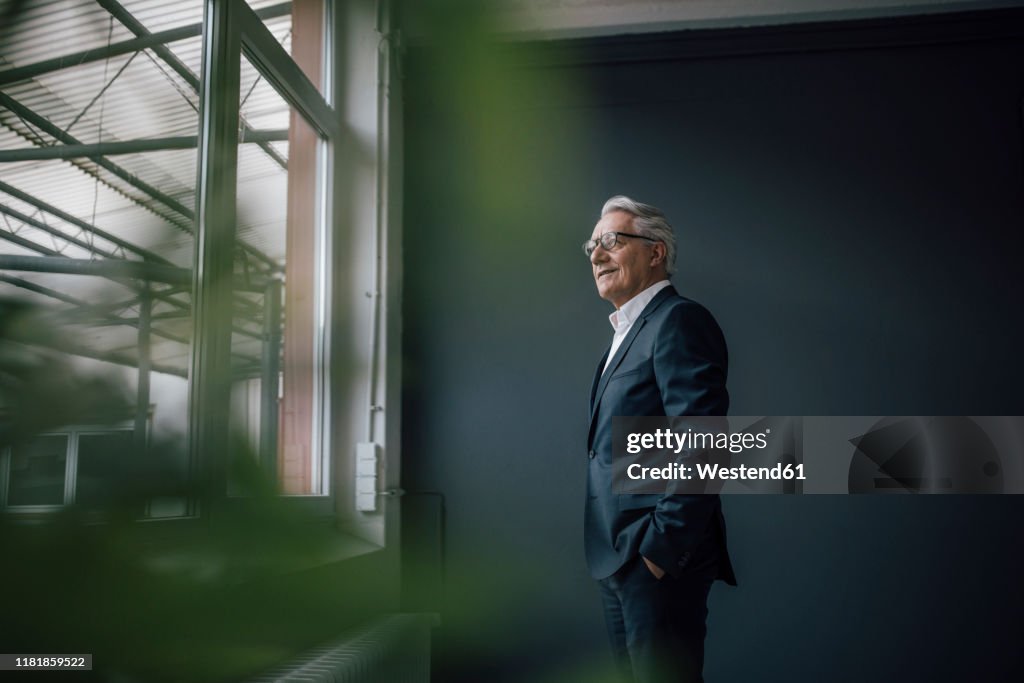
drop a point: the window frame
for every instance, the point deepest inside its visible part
(232, 29)
(73, 433)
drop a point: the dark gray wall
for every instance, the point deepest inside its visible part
(850, 213)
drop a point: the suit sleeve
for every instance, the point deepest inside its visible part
(690, 366)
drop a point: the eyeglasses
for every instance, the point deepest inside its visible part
(608, 240)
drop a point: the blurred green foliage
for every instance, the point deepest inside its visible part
(227, 594)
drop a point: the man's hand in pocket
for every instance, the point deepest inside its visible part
(653, 568)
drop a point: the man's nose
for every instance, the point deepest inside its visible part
(599, 255)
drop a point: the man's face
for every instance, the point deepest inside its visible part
(626, 270)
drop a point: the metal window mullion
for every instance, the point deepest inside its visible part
(216, 190)
(270, 378)
(71, 468)
(324, 283)
(321, 335)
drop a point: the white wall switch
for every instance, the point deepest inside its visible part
(366, 476)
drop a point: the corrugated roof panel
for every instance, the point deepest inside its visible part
(67, 188)
(140, 102)
(48, 29)
(51, 28)
(161, 15)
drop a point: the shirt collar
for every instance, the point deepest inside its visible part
(631, 310)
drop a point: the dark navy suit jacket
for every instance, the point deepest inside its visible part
(672, 362)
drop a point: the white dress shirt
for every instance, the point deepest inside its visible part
(623, 318)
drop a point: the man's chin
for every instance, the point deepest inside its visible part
(606, 295)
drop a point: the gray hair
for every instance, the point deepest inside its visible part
(649, 222)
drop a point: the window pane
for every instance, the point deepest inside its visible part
(278, 329)
(37, 471)
(101, 467)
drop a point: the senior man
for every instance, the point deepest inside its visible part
(654, 556)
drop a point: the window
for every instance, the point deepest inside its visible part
(280, 202)
(279, 385)
(84, 466)
(164, 200)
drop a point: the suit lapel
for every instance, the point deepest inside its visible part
(602, 379)
(597, 378)
(616, 359)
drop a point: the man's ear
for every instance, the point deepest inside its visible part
(660, 251)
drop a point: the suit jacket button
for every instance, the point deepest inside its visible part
(592, 454)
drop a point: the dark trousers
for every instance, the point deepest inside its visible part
(657, 626)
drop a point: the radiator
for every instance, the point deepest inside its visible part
(392, 649)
